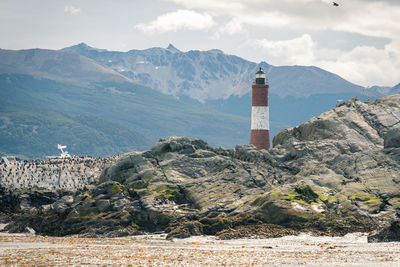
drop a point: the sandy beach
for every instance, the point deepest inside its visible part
(154, 250)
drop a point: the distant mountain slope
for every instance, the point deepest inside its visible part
(137, 108)
(213, 89)
(395, 89)
(380, 91)
(33, 132)
(66, 66)
(223, 82)
(305, 81)
(213, 75)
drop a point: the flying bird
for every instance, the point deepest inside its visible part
(335, 4)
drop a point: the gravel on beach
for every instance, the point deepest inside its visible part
(155, 250)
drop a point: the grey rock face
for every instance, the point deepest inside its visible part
(340, 155)
(67, 199)
(103, 204)
(60, 207)
(344, 148)
(392, 138)
(388, 234)
(120, 204)
(332, 174)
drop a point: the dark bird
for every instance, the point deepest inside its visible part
(335, 4)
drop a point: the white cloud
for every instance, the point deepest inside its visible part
(72, 10)
(298, 51)
(365, 65)
(361, 64)
(232, 27)
(217, 7)
(179, 20)
(379, 19)
(372, 18)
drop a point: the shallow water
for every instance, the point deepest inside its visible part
(154, 250)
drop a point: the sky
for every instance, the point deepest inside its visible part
(358, 40)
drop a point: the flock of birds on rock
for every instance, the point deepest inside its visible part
(69, 173)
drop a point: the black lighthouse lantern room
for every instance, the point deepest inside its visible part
(260, 77)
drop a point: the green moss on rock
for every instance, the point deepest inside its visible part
(305, 192)
(367, 199)
(259, 199)
(302, 194)
(335, 199)
(115, 188)
(169, 192)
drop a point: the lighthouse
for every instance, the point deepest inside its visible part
(259, 136)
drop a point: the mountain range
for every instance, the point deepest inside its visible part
(211, 75)
(102, 102)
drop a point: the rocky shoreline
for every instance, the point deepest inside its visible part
(335, 174)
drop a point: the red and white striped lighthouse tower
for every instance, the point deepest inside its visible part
(260, 112)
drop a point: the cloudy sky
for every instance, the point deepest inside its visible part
(359, 39)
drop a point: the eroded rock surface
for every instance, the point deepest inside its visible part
(335, 174)
(388, 234)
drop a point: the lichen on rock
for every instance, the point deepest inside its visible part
(335, 174)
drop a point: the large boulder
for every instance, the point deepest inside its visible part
(186, 229)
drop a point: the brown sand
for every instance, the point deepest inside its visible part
(154, 250)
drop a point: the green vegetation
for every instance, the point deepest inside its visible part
(367, 199)
(334, 199)
(101, 119)
(115, 188)
(170, 192)
(304, 192)
(261, 198)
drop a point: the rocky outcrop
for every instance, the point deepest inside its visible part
(389, 234)
(334, 174)
(392, 138)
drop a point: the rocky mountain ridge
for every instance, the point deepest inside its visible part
(211, 75)
(335, 174)
(63, 66)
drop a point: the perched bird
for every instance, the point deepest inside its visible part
(335, 4)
